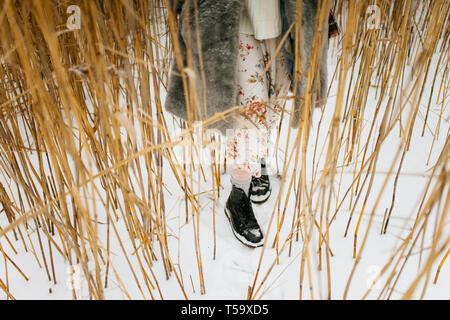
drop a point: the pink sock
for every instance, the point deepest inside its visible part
(241, 178)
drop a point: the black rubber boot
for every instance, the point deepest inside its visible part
(260, 189)
(239, 212)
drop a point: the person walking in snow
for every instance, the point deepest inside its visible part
(237, 64)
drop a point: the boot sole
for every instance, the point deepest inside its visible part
(258, 200)
(241, 238)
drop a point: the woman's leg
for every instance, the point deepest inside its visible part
(247, 145)
(244, 142)
(277, 82)
(263, 94)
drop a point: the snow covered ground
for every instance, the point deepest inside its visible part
(229, 275)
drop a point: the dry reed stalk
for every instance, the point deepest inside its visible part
(440, 266)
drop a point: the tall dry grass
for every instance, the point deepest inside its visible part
(85, 145)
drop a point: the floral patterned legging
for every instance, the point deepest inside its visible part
(261, 94)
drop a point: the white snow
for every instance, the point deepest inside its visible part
(233, 270)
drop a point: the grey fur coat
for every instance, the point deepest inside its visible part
(214, 90)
